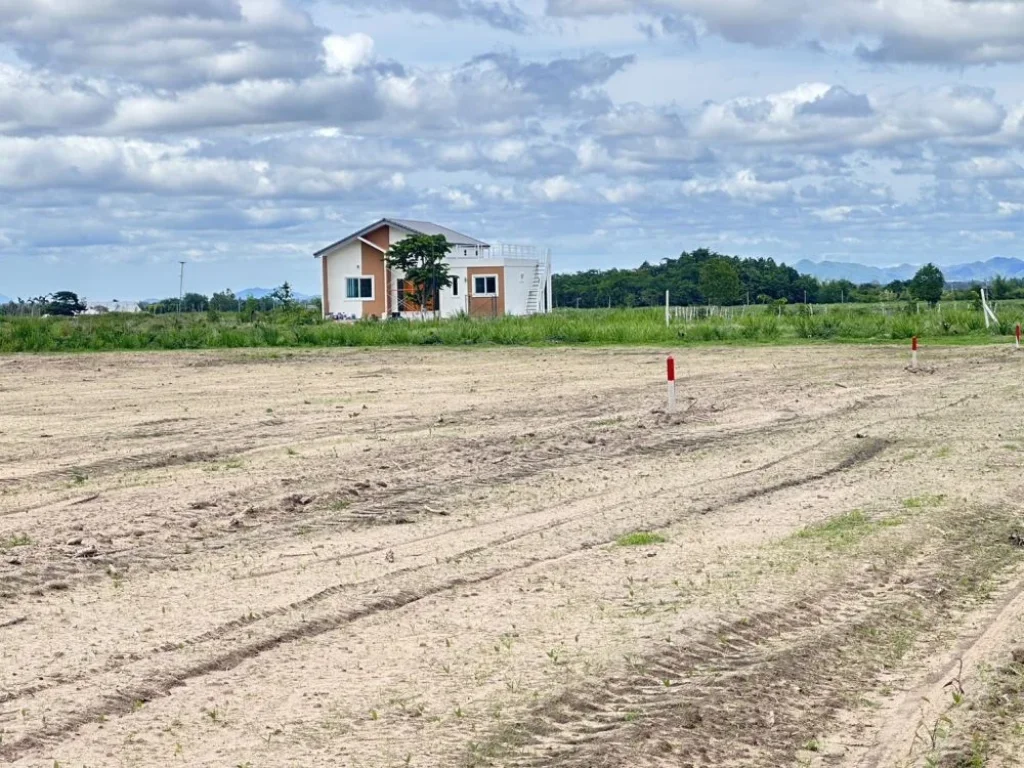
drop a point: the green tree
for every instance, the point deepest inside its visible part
(1001, 288)
(928, 284)
(65, 303)
(720, 281)
(422, 258)
(194, 302)
(284, 294)
(225, 301)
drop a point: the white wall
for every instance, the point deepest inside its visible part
(453, 305)
(518, 281)
(345, 262)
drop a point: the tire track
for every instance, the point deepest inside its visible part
(731, 699)
(154, 683)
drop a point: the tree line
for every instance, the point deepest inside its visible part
(706, 277)
(68, 303)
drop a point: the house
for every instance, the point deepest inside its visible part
(487, 281)
(102, 307)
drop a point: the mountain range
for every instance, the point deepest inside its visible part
(980, 271)
(4, 299)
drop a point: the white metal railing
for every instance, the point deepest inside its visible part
(514, 251)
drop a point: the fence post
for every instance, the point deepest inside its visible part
(668, 319)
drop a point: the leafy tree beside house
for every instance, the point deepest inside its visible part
(65, 304)
(928, 284)
(423, 260)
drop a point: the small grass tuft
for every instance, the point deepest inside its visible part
(640, 539)
(845, 530)
(17, 540)
(920, 502)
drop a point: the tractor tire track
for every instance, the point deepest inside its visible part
(158, 682)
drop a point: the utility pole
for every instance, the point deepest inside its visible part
(181, 285)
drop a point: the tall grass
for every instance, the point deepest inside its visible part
(609, 327)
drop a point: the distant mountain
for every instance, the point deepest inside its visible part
(857, 273)
(980, 271)
(984, 270)
(260, 293)
(4, 299)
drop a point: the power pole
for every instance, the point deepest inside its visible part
(181, 285)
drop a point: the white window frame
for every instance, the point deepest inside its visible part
(373, 287)
(485, 295)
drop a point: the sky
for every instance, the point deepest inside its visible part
(240, 136)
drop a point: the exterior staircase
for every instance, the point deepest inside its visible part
(534, 297)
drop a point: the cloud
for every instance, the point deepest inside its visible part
(495, 89)
(945, 32)
(177, 168)
(743, 185)
(36, 101)
(165, 43)
(837, 102)
(343, 53)
(501, 15)
(556, 189)
(824, 118)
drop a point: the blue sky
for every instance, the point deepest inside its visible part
(242, 135)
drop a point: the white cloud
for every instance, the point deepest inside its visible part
(623, 193)
(556, 189)
(343, 53)
(743, 185)
(938, 31)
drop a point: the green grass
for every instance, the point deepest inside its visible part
(18, 540)
(845, 530)
(637, 326)
(640, 539)
(920, 502)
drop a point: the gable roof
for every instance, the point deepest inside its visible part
(414, 227)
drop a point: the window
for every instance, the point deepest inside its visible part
(360, 288)
(455, 286)
(485, 285)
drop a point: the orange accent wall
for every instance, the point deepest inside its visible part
(380, 237)
(486, 306)
(372, 265)
(326, 300)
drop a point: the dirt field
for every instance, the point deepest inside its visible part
(409, 558)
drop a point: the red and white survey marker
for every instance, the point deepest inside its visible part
(671, 369)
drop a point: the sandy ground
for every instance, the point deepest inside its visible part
(405, 557)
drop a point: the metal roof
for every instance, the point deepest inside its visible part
(415, 227)
(429, 228)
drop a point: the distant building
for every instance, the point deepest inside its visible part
(487, 281)
(102, 307)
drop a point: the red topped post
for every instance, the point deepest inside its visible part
(671, 370)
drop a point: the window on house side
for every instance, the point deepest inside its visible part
(455, 286)
(485, 285)
(359, 287)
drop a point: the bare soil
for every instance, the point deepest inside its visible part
(418, 558)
